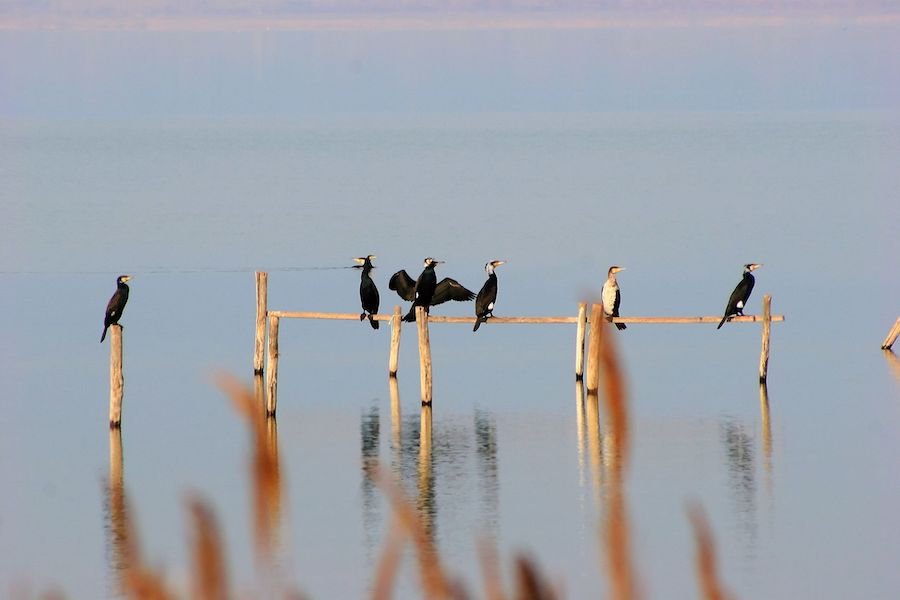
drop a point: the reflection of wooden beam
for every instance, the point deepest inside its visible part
(522, 320)
(891, 336)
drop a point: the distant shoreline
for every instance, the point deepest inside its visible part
(435, 20)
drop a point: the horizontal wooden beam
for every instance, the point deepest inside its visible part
(446, 319)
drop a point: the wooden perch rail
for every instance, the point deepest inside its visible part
(586, 363)
(522, 320)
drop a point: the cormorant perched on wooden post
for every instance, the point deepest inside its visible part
(426, 291)
(611, 296)
(740, 295)
(368, 293)
(116, 304)
(484, 303)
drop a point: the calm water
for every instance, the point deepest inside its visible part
(805, 507)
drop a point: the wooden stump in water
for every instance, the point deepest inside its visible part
(579, 341)
(396, 322)
(272, 368)
(593, 355)
(262, 295)
(424, 355)
(766, 332)
(116, 379)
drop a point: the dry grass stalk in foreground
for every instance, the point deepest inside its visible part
(210, 579)
(622, 577)
(706, 556)
(264, 469)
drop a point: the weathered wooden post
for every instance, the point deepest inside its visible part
(579, 341)
(424, 355)
(593, 355)
(766, 331)
(272, 368)
(395, 342)
(891, 336)
(262, 299)
(116, 380)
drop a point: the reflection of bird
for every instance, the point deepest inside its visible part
(611, 296)
(116, 304)
(427, 291)
(484, 303)
(368, 293)
(740, 295)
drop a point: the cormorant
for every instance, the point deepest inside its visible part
(484, 303)
(740, 295)
(368, 293)
(116, 304)
(611, 296)
(426, 291)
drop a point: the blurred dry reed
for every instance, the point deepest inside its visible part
(707, 574)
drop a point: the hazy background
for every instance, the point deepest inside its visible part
(191, 145)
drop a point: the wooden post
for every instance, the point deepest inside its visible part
(272, 368)
(262, 299)
(593, 355)
(579, 341)
(424, 355)
(395, 342)
(116, 380)
(766, 331)
(891, 336)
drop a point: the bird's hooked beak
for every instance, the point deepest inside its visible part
(127, 278)
(753, 266)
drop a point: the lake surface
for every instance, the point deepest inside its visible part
(802, 504)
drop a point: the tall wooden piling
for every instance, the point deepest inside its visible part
(579, 341)
(891, 336)
(766, 332)
(593, 355)
(424, 355)
(262, 299)
(396, 321)
(116, 379)
(272, 368)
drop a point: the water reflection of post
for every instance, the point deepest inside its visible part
(370, 436)
(579, 424)
(766, 434)
(742, 479)
(396, 421)
(893, 362)
(120, 546)
(594, 448)
(267, 489)
(425, 500)
(486, 450)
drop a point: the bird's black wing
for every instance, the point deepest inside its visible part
(404, 285)
(450, 289)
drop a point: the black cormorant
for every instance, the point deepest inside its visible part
(368, 293)
(611, 296)
(484, 303)
(116, 304)
(426, 290)
(740, 295)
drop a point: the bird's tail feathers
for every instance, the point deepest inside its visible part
(722, 322)
(620, 326)
(373, 322)
(103, 337)
(478, 323)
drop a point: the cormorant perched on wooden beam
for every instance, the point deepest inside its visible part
(484, 303)
(740, 295)
(116, 304)
(426, 291)
(611, 296)
(368, 293)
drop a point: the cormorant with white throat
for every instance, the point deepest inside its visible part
(484, 303)
(738, 299)
(368, 293)
(611, 296)
(116, 304)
